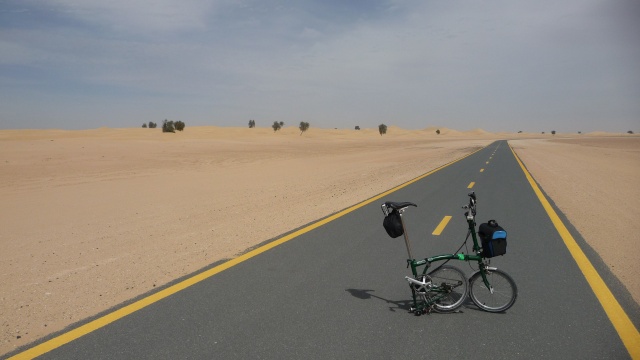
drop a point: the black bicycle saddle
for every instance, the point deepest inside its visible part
(399, 205)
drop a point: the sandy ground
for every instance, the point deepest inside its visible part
(90, 219)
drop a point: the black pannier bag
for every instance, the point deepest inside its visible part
(393, 224)
(494, 239)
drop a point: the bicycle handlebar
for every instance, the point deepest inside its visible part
(472, 206)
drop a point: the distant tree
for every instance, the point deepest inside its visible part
(438, 131)
(304, 126)
(553, 132)
(276, 126)
(152, 125)
(520, 132)
(543, 133)
(167, 126)
(382, 128)
(179, 125)
(281, 123)
(579, 132)
(144, 125)
(357, 127)
(252, 124)
(630, 132)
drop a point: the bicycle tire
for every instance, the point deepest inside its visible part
(504, 293)
(454, 282)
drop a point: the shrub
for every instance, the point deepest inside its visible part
(357, 127)
(179, 125)
(167, 126)
(304, 126)
(382, 128)
(144, 125)
(630, 132)
(152, 125)
(438, 131)
(276, 126)
(252, 124)
(553, 132)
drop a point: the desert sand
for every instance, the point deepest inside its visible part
(90, 219)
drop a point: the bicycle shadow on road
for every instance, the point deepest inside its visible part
(366, 294)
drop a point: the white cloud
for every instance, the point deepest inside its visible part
(144, 16)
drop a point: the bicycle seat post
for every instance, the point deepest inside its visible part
(406, 236)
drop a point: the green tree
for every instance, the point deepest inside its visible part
(167, 126)
(438, 131)
(630, 132)
(179, 125)
(152, 125)
(304, 126)
(276, 126)
(144, 125)
(382, 128)
(553, 132)
(252, 124)
(357, 127)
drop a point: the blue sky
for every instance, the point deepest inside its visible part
(565, 65)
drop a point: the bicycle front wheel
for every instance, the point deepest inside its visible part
(501, 294)
(449, 286)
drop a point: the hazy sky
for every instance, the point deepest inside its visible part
(565, 65)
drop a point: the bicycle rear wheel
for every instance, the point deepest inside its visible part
(500, 297)
(449, 284)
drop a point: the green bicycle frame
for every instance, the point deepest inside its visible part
(426, 262)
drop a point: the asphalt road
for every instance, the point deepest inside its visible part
(338, 291)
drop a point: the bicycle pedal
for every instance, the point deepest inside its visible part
(428, 310)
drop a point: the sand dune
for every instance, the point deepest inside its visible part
(478, 132)
(93, 218)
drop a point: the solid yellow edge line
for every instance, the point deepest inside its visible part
(618, 317)
(142, 303)
(441, 226)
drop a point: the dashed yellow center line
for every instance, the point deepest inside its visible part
(441, 226)
(487, 162)
(481, 170)
(471, 185)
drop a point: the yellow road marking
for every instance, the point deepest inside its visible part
(471, 185)
(96, 324)
(618, 317)
(481, 170)
(487, 162)
(441, 226)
